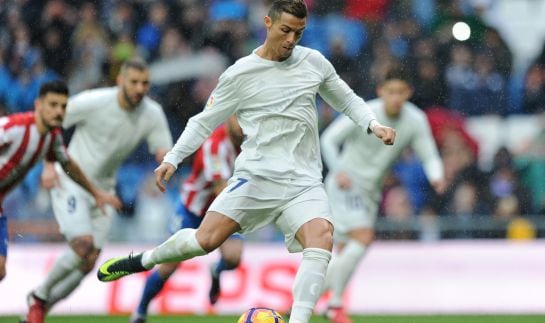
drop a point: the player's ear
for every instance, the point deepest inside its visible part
(37, 104)
(410, 92)
(379, 90)
(268, 22)
(119, 79)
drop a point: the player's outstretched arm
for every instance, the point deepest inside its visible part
(101, 197)
(163, 173)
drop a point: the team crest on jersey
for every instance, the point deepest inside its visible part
(210, 102)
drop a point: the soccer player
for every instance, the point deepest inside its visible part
(356, 172)
(278, 174)
(212, 167)
(26, 138)
(109, 124)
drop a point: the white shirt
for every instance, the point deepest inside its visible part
(275, 105)
(367, 160)
(106, 134)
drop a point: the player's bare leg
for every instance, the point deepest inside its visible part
(184, 244)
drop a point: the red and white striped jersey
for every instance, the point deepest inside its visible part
(215, 160)
(22, 146)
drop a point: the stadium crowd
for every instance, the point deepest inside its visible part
(85, 42)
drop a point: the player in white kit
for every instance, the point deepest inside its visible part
(109, 124)
(354, 181)
(277, 177)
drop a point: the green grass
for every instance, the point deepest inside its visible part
(316, 319)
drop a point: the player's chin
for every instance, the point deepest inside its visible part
(287, 52)
(54, 124)
(136, 100)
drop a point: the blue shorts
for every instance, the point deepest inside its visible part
(190, 220)
(3, 236)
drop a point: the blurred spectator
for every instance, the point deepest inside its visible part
(57, 20)
(460, 79)
(446, 124)
(494, 45)
(429, 89)
(396, 204)
(344, 65)
(488, 96)
(173, 44)
(148, 36)
(534, 90)
(509, 197)
(121, 20)
(90, 51)
(193, 24)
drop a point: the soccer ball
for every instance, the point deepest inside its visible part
(261, 315)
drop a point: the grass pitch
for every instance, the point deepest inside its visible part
(316, 319)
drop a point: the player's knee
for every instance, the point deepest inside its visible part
(89, 261)
(83, 246)
(209, 243)
(363, 236)
(2, 273)
(209, 240)
(317, 233)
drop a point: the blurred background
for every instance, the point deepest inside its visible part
(481, 83)
(478, 71)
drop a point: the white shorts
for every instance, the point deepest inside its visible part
(254, 202)
(76, 212)
(351, 209)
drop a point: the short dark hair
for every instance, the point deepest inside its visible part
(298, 8)
(56, 86)
(398, 73)
(134, 62)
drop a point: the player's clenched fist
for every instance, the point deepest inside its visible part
(163, 173)
(386, 134)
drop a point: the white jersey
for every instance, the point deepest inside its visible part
(275, 105)
(367, 160)
(106, 134)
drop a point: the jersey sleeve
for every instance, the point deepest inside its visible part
(221, 104)
(4, 137)
(79, 108)
(342, 98)
(333, 138)
(57, 150)
(160, 136)
(424, 146)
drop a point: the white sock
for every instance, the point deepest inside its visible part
(65, 287)
(308, 283)
(341, 268)
(180, 246)
(63, 266)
